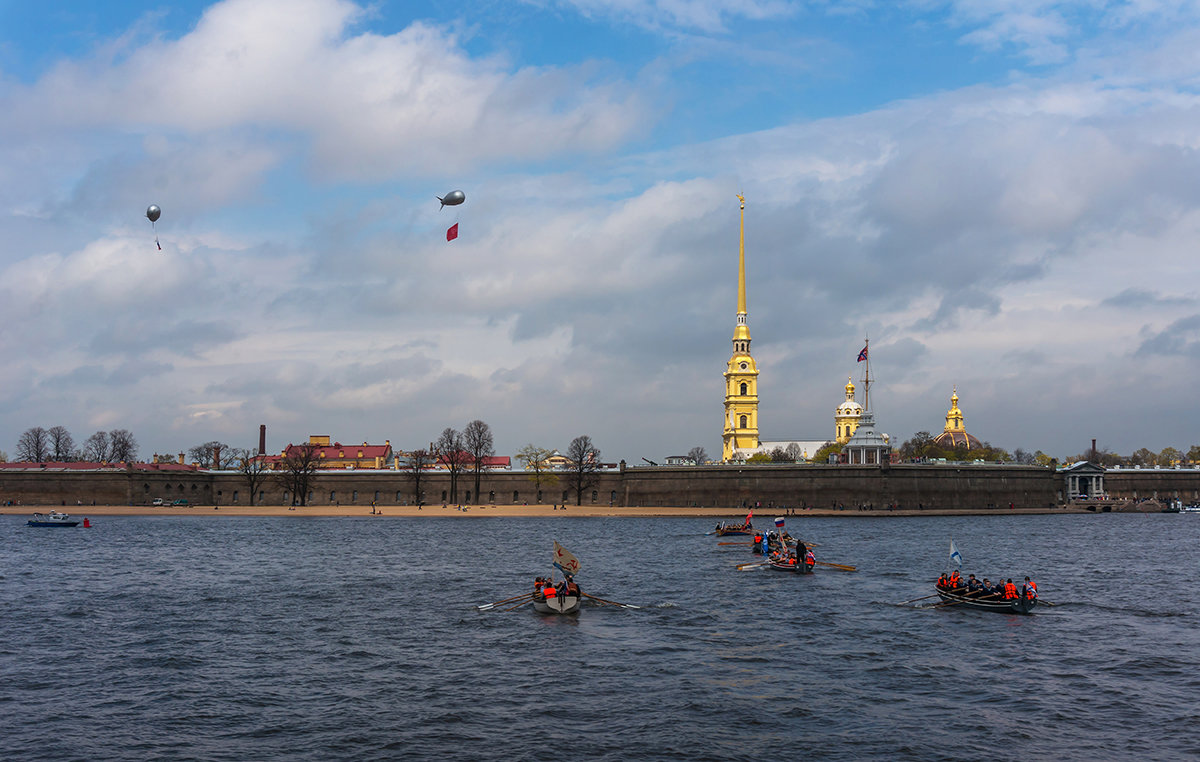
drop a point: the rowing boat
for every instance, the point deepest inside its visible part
(790, 565)
(734, 529)
(999, 605)
(551, 601)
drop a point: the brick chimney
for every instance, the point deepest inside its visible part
(262, 439)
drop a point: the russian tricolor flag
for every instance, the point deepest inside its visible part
(779, 521)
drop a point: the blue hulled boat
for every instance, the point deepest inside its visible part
(52, 519)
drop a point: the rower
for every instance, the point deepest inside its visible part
(955, 580)
(973, 584)
(1010, 590)
(1030, 589)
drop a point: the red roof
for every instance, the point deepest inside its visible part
(490, 461)
(338, 451)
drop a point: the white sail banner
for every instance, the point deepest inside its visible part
(564, 561)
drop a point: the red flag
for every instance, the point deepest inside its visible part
(452, 232)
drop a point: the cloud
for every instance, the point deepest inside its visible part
(1180, 338)
(368, 105)
(709, 16)
(1142, 298)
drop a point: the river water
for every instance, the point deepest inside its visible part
(343, 638)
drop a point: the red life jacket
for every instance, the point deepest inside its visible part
(1031, 590)
(1010, 591)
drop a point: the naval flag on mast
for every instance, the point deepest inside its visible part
(955, 556)
(564, 561)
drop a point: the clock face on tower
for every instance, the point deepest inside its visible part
(743, 366)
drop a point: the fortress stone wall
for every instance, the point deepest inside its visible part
(962, 486)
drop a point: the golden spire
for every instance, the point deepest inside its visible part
(849, 389)
(954, 416)
(742, 331)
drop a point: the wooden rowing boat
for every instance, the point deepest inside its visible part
(734, 529)
(556, 603)
(999, 605)
(794, 567)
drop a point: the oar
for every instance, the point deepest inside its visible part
(751, 563)
(519, 605)
(612, 603)
(487, 606)
(963, 599)
(843, 567)
(914, 600)
(950, 603)
(1044, 603)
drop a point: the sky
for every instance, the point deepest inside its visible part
(1004, 196)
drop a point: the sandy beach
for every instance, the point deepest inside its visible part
(764, 515)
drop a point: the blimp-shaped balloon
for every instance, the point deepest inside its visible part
(153, 212)
(453, 198)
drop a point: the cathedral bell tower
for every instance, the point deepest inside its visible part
(741, 374)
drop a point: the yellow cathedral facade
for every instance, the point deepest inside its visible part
(741, 374)
(845, 418)
(740, 436)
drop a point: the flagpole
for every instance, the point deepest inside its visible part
(867, 376)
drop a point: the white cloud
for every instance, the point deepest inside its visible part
(371, 105)
(710, 16)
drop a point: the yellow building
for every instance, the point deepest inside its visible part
(741, 374)
(337, 455)
(845, 418)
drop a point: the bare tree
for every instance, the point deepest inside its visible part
(98, 447)
(477, 441)
(3, 456)
(34, 445)
(124, 446)
(252, 467)
(449, 448)
(419, 462)
(208, 455)
(698, 455)
(62, 444)
(534, 459)
(585, 460)
(298, 471)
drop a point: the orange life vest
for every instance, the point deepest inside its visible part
(1010, 591)
(1031, 590)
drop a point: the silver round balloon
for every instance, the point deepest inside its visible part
(153, 212)
(453, 198)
